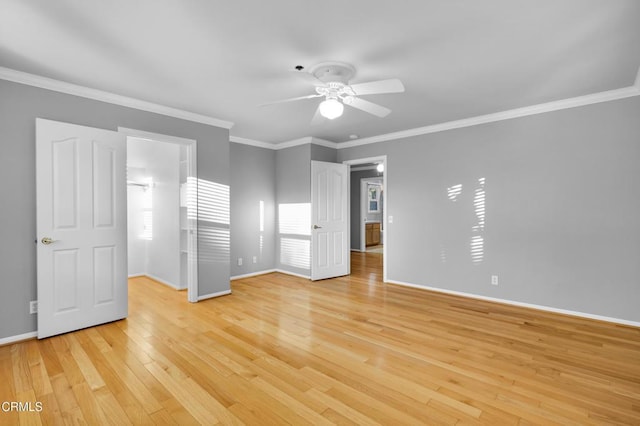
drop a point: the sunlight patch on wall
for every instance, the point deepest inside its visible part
(213, 202)
(477, 239)
(209, 203)
(295, 252)
(192, 198)
(443, 253)
(294, 218)
(478, 204)
(261, 209)
(477, 249)
(214, 244)
(454, 191)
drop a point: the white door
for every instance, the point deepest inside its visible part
(329, 220)
(82, 227)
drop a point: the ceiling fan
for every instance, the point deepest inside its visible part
(331, 81)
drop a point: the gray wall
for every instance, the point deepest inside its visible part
(252, 180)
(356, 204)
(561, 194)
(322, 153)
(293, 186)
(19, 107)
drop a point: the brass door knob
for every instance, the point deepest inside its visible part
(48, 240)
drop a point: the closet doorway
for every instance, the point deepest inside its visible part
(162, 210)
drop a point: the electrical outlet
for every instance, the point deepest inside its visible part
(390, 219)
(255, 259)
(494, 280)
(33, 307)
(239, 261)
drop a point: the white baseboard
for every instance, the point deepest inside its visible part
(167, 283)
(252, 274)
(136, 275)
(212, 295)
(358, 250)
(18, 338)
(520, 304)
(282, 271)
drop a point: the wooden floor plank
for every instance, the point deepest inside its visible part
(351, 350)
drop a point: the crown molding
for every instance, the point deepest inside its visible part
(610, 95)
(295, 142)
(252, 142)
(99, 95)
(283, 145)
(111, 98)
(142, 134)
(322, 142)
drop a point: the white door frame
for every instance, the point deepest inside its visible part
(385, 204)
(192, 174)
(364, 208)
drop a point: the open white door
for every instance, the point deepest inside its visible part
(82, 227)
(329, 219)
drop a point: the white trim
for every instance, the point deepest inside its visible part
(295, 142)
(18, 338)
(364, 208)
(252, 274)
(282, 271)
(252, 142)
(164, 282)
(212, 295)
(157, 137)
(578, 101)
(361, 168)
(610, 95)
(520, 304)
(192, 172)
(112, 98)
(283, 145)
(322, 142)
(385, 207)
(136, 275)
(364, 160)
(356, 250)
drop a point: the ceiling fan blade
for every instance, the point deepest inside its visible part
(317, 119)
(392, 85)
(315, 95)
(370, 107)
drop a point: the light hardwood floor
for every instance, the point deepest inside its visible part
(284, 350)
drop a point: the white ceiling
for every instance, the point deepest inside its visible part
(457, 59)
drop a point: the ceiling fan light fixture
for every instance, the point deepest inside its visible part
(331, 108)
(380, 167)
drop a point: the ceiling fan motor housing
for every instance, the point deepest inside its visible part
(333, 72)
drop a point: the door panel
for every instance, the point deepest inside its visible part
(64, 179)
(103, 274)
(81, 208)
(65, 280)
(329, 212)
(103, 185)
